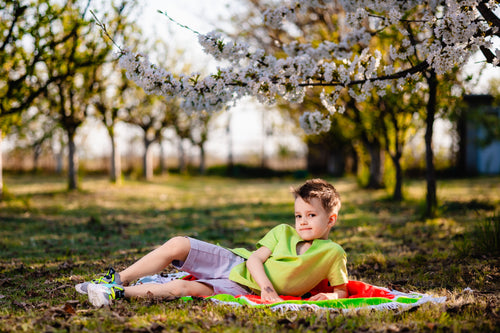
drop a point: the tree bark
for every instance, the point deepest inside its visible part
(116, 166)
(182, 157)
(163, 166)
(397, 195)
(59, 161)
(461, 158)
(431, 197)
(147, 159)
(37, 152)
(202, 159)
(1, 168)
(72, 161)
(376, 165)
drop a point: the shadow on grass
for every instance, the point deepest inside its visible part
(60, 239)
(95, 231)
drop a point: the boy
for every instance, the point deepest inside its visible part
(288, 261)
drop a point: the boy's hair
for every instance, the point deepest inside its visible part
(324, 191)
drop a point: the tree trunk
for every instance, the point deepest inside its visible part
(376, 166)
(116, 166)
(1, 168)
(163, 167)
(263, 159)
(230, 156)
(431, 198)
(59, 161)
(461, 158)
(182, 157)
(202, 160)
(147, 162)
(72, 161)
(37, 151)
(397, 195)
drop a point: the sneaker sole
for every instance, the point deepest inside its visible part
(82, 287)
(98, 295)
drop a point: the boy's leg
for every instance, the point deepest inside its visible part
(176, 248)
(175, 288)
(100, 295)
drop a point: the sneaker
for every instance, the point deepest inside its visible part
(111, 278)
(104, 294)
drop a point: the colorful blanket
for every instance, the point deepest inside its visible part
(361, 296)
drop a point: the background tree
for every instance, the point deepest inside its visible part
(81, 57)
(326, 24)
(150, 115)
(25, 45)
(181, 123)
(113, 92)
(199, 136)
(367, 118)
(398, 119)
(110, 103)
(51, 51)
(35, 132)
(439, 36)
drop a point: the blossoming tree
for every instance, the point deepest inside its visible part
(378, 125)
(449, 32)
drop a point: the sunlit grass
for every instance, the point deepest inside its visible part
(51, 239)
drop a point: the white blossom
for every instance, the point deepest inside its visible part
(314, 122)
(496, 61)
(447, 34)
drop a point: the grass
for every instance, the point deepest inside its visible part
(51, 239)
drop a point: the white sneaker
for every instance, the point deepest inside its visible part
(111, 277)
(104, 294)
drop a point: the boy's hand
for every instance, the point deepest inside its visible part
(270, 295)
(339, 291)
(324, 296)
(255, 265)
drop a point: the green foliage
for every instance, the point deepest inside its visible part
(52, 58)
(487, 235)
(483, 239)
(51, 239)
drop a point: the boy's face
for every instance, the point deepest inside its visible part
(312, 221)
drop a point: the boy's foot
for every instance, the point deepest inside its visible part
(111, 278)
(104, 294)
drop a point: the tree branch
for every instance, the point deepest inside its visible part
(488, 14)
(421, 67)
(18, 12)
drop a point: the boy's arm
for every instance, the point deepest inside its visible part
(255, 265)
(339, 291)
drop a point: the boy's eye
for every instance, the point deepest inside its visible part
(312, 215)
(298, 216)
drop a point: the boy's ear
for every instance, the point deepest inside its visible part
(332, 219)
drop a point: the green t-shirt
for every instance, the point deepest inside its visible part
(292, 274)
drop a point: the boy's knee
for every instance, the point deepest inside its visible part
(179, 246)
(180, 288)
(179, 242)
(190, 288)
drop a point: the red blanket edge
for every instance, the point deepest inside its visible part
(356, 289)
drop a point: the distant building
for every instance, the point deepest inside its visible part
(479, 149)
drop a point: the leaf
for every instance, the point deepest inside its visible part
(68, 308)
(6, 282)
(22, 305)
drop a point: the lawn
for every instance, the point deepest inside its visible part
(51, 239)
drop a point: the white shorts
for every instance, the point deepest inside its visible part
(211, 265)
